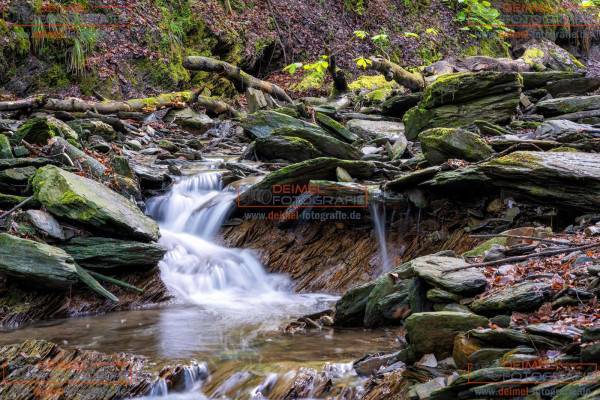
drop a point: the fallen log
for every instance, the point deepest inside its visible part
(392, 71)
(30, 102)
(239, 78)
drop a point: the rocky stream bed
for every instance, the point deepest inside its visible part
(442, 243)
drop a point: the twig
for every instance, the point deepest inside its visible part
(15, 208)
(492, 235)
(547, 253)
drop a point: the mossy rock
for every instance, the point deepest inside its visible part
(263, 123)
(324, 143)
(86, 128)
(91, 204)
(335, 127)
(434, 332)
(39, 129)
(442, 144)
(350, 308)
(283, 147)
(5, 148)
(527, 296)
(567, 105)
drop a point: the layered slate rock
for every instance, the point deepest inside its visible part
(525, 296)
(432, 269)
(569, 179)
(92, 204)
(350, 309)
(288, 148)
(456, 100)
(263, 123)
(107, 253)
(45, 265)
(442, 144)
(568, 105)
(434, 332)
(38, 130)
(323, 142)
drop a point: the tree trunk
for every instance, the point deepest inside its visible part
(340, 85)
(412, 80)
(30, 102)
(239, 78)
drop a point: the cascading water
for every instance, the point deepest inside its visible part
(378, 215)
(227, 282)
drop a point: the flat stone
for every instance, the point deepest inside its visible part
(370, 130)
(525, 296)
(441, 144)
(45, 223)
(431, 268)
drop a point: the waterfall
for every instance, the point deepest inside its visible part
(378, 215)
(229, 282)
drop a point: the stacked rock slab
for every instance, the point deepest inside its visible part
(456, 100)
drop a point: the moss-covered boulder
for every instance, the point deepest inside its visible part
(442, 144)
(456, 100)
(263, 123)
(434, 332)
(325, 144)
(5, 148)
(107, 253)
(526, 296)
(544, 54)
(285, 147)
(388, 303)
(39, 129)
(92, 204)
(397, 106)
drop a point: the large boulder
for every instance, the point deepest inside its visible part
(107, 253)
(456, 100)
(434, 332)
(433, 269)
(441, 144)
(39, 129)
(544, 54)
(350, 308)
(92, 204)
(525, 296)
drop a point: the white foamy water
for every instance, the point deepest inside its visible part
(228, 282)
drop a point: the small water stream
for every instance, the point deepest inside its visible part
(227, 307)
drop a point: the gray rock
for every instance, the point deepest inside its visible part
(441, 144)
(45, 223)
(92, 204)
(5, 148)
(370, 130)
(434, 332)
(188, 118)
(431, 269)
(525, 296)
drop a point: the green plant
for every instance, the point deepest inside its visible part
(480, 16)
(314, 73)
(357, 6)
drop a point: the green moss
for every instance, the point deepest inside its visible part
(564, 149)
(55, 77)
(534, 57)
(517, 159)
(485, 246)
(309, 82)
(372, 82)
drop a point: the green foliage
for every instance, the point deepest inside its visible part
(54, 78)
(357, 6)
(362, 62)
(314, 73)
(480, 16)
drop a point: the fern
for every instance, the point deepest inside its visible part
(77, 58)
